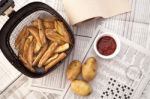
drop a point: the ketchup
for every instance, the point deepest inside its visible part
(106, 45)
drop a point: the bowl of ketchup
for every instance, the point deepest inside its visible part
(107, 45)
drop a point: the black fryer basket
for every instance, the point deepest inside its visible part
(16, 22)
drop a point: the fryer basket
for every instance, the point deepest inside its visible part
(16, 22)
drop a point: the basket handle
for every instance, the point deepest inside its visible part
(6, 7)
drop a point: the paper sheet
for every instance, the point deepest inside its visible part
(81, 10)
(111, 74)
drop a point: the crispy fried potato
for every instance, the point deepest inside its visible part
(73, 70)
(89, 69)
(26, 64)
(62, 48)
(55, 61)
(35, 23)
(34, 32)
(23, 34)
(54, 39)
(30, 53)
(52, 34)
(21, 46)
(41, 31)
(38, 57)
(50, 19)
(60, 28)
(49, 25)
(51, 49)
(26, 46)
(81, 88)
(51, 59)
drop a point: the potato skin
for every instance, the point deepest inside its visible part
(73, 70)
(81, 87)
(89, 69)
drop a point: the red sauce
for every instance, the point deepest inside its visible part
(106, 45)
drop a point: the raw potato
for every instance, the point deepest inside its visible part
(81, 88)
(89, 69)
(73, 70)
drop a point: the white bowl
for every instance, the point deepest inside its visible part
(117, 40)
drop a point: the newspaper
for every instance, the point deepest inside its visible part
(133, 26)
(19, 90)
(112, 80)
(7, 77)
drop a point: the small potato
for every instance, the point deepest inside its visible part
(89, 69)
(73, 70)
(81, 88)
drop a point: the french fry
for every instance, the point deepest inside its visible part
(30, 53)
(51, 49)
(20, 36)
(50, 19)
(26, 46)
(26, 64)
(52, 34)
(48, 25)
(41, 31)
(34, 32)
(21, 46)
(51, 59)
(62, 30)
(55, 61)
(62, 48)
(38, 57)
(35, 23)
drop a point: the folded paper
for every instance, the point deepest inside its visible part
(81, 10)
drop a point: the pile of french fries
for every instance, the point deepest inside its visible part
(42, 44)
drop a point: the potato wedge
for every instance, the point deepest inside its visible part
(52, 34)
(81, 88)
(41, 31)
(54, 39)
(21, 46)
(26, 64)
(26, 46)
(23, 34)
(34, 32)
(50, 51)
(40, 54)
(51, 59)
(50, 19)
(74, 70)
(35, 23)
(55, 61)
(30, 53)
(62, 48)
(89, 69)
(60, 28)
(48, 25)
